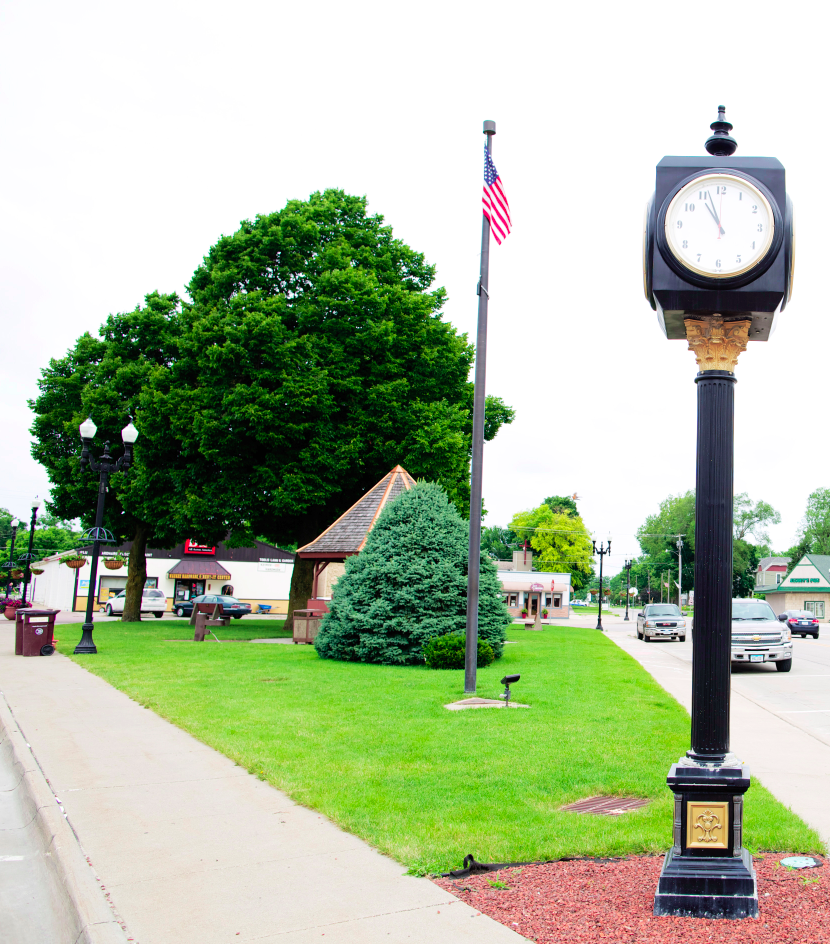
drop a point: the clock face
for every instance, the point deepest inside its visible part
(719, 225)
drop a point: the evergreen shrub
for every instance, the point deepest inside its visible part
(409, 585)
(447, 652)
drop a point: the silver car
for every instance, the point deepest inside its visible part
(152, 601)
(661, 621)
(758, 636)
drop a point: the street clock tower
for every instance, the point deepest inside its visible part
(718, 259)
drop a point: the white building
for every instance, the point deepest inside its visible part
(259, 575)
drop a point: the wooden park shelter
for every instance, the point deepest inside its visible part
(347, 536)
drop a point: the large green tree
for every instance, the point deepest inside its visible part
(659, 534)
(560, 542)
(815, 528)
(313, 359)
(752, 518)
(104, 378)
(409, 585)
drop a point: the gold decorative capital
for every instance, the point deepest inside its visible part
(717, 343)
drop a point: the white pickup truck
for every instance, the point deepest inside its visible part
(758, 636)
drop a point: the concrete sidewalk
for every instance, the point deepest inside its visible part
(194, 850)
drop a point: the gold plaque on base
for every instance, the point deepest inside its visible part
(707, 825)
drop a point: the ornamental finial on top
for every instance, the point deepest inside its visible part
(721, 143)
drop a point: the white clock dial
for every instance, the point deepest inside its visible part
(719, 225)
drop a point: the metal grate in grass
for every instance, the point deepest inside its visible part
(605, 806)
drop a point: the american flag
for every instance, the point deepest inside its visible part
(496, 207)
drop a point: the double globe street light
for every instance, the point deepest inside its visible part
(29, 555)
(105, 466)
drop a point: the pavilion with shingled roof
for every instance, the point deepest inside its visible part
(347, 536)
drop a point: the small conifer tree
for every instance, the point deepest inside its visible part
(408, 585)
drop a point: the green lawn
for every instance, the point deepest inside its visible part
(372, 747)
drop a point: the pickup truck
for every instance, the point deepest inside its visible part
(758, 636)
(661, 621)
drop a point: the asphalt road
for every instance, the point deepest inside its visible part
(801, 697)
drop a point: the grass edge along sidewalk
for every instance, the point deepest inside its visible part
(373, 749)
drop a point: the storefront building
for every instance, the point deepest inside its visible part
(259, 575)
(807, 587)
(535, 592)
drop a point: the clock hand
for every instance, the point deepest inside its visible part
(721, 230)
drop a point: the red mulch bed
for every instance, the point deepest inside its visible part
(612, 902)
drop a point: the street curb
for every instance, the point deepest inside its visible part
(85, 914)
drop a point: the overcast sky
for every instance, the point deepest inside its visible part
(135, 135)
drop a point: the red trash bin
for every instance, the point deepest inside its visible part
(34, 632)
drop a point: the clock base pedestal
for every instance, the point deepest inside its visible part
(707, 888)
(707, 873)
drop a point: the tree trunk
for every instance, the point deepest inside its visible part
(302, 583)
(136, 575)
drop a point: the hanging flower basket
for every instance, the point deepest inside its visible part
(36, 570)
(75, 562)
(17, 574)
(112, 563)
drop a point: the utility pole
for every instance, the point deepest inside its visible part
(680, 572)
(627, 587)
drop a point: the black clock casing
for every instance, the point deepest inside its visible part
(760, 294)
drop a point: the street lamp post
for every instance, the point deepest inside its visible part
(36, 503)
(105, 466)
(627, 586)
(10, 562)
(601, 552)
(680, 572)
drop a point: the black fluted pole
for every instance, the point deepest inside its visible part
(11, 562)
(87, 646)
(711, 654)
(28, 572)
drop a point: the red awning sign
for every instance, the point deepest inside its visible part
(191, 547)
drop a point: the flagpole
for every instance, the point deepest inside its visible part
(474, 559)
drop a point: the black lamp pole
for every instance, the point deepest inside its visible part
(10, 562)
(602, 552)
(36, 503)
(105, 466)
(627, 586)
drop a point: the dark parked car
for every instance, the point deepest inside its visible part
(801, 622)
(230, 605)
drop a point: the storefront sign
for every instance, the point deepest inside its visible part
(551, 586)
(536, 588)
(269, 567)
(83, 585)
(191, 547)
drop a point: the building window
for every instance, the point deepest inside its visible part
(816, 607)
(512, 599)
(778, 579)
(547, 599)
(557, 600)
